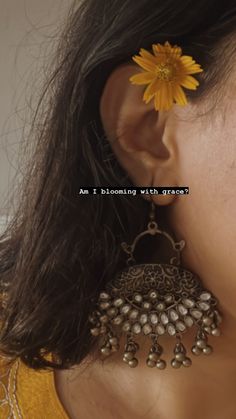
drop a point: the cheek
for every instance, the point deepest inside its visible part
(206, 217)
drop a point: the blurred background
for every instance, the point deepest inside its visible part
(28, 32)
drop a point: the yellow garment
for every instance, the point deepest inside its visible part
(28, 394)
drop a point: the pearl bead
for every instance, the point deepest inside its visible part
(160, 329)
(161, 364)
(128, 355)
(188, 321)
(133, 314)
(153, 318)
(147, 328)
(138, 298)
(112, 312)
(175, 363)
(207, 321)
(104, 305)
(205, 296)
(196, 314)
(164, 318)
(174, 315)
(136, 328)
(113, 340)
(118, 302)
(196, 351)
(125, 309)
(133, 363)
(104, 318)
(146, 305)
(126, 326)
(201, 343)
(95, 331)
(188, 303)
(180, 326)
(143, 318)
(207, 350)
(117, 320)
(160, 306)
(105, 351)
(187, 362)
(169, 298)
(150, 363)
(180, 357)
(204, 306)
(153, 356)
(104, 296)
(182, 310)
(171, 329)
(216, 332)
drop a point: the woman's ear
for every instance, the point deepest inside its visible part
(141, 138)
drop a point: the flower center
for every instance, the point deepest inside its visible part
(165, 72)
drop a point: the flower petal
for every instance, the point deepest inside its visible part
(160, 53)
(190, 83)
(169, 95)
(193, 69)
(187, 59)
(144, 63)
(190, 66)
(161, 100)
(179, 95)
(146, 54)
(151, 90)
(142, 78)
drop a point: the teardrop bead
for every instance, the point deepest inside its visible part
(188, 303)
(147, 329)
(173, 315)
(153, 318)
(188, 321)
(136, 328)
(182, 310)
(160, 329)
(143, 318)
(171, 329)
(196, 314)
(204, 306)
(164, 318)
(180, 326)
(205, 296)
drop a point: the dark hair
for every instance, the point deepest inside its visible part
(61, 247)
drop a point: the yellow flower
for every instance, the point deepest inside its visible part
(166, 71)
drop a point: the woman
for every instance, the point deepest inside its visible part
(62, 247)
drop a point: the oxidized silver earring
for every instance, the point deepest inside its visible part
(154, 299)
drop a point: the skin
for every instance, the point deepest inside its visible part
(173, 148)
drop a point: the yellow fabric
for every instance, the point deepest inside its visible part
(28, 394)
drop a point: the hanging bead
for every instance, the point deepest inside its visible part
(195, 350)
(180, 356)
(161, 364)
(207, 350)
(216, 332)
(131, 348)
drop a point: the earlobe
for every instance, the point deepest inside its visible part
(136, 132)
